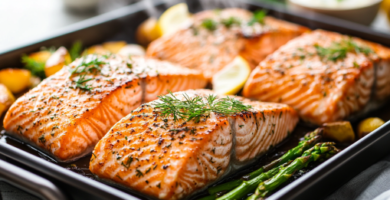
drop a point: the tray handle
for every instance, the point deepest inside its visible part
(29, 182)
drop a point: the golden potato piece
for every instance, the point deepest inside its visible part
(339, 131)
(132, 50)
(96, 49)
(40, 56)
(6, 99)
(368, 125)
(16, 80)
(148, 31)
(114, 47)
(57, 61)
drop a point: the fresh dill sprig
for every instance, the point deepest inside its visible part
(80, 83)
(339, 50)
(209, 24)
(230, 22)
(36, 68)
(193, 108)
(83, 69)
(258, 17)
(75, 50)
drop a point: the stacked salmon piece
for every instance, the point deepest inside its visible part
(69, 112)
(216, 37)
(170, 159)
(324, 75)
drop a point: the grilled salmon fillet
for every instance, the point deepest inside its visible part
(325, 76)
(215, 38)
(167, 159)
(69, 112)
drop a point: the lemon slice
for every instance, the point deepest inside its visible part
(173, 18)
(231, 78)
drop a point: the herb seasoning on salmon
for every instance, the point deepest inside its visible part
(69, 112)
(184, 141)
(215, 38)
(325, 76)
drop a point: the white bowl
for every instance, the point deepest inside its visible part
(362, 13)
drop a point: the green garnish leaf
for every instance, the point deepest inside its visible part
(258, 17)
(75, 50)
(83, 69)
(194, 108)
(42, 139)
(128, 162)
(36, 68)
(230, 22)
(139, 174)
(209, 24)
(339, 50)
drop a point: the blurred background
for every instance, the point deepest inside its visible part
(24, 20)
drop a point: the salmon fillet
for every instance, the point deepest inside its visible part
(167, 159)
(215, 38)
(278, 33)
(68, 113)
(320, 89)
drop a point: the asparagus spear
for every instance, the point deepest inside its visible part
(309, 141)
(321, 150)
(249, 186)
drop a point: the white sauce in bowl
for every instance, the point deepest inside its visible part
(335, 4)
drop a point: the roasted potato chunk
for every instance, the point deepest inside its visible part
(40, 56)
(147, 31)
(368, 125)
(6, 99)
(114, 47)
(96, 49)
(16, 80)
(57, 61)
(132, 50)
(339, 131)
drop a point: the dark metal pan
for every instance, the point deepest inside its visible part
(121, 24)
(30, 182)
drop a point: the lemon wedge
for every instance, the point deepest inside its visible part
(231, 78)
(173, 18)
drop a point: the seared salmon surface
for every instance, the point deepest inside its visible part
(169, 158)
(69, 112)
(216, 37)
(325, 76)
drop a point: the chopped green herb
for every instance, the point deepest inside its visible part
(128, 162)
(75, 50)
(209, 24)
(83, 69)
(339, 50)
(230, 22)
(258, 17)
(36, 68)
(193, 108)
(42, 138)
(139, 173)
(356, 65)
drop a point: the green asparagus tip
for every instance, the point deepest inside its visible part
(318, 131)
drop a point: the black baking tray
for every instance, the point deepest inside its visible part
(316, 183)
